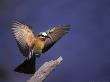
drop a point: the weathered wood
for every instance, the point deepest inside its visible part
(41, 74)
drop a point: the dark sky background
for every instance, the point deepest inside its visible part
(85, 50)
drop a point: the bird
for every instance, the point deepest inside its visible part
(33, 46)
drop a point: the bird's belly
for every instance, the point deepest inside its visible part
(38, 47)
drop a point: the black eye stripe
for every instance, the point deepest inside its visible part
(43, 36)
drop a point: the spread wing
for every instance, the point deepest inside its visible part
(24, 37)
(55, 34)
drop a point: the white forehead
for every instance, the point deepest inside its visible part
(44, 33)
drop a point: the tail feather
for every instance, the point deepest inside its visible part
(27, 67)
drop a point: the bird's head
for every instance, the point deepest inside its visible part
(43, 35)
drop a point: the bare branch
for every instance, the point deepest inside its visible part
(45, 70)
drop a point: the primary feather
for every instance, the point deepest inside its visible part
(55, 34)
(24, 37)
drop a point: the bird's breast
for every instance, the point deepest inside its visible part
(38, 46)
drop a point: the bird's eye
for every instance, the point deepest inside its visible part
(43, 35)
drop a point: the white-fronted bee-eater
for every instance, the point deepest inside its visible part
(32, 46)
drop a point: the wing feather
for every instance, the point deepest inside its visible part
(24, 37)
(55, 34)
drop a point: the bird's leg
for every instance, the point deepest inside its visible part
(30, 54)
(38, 55)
